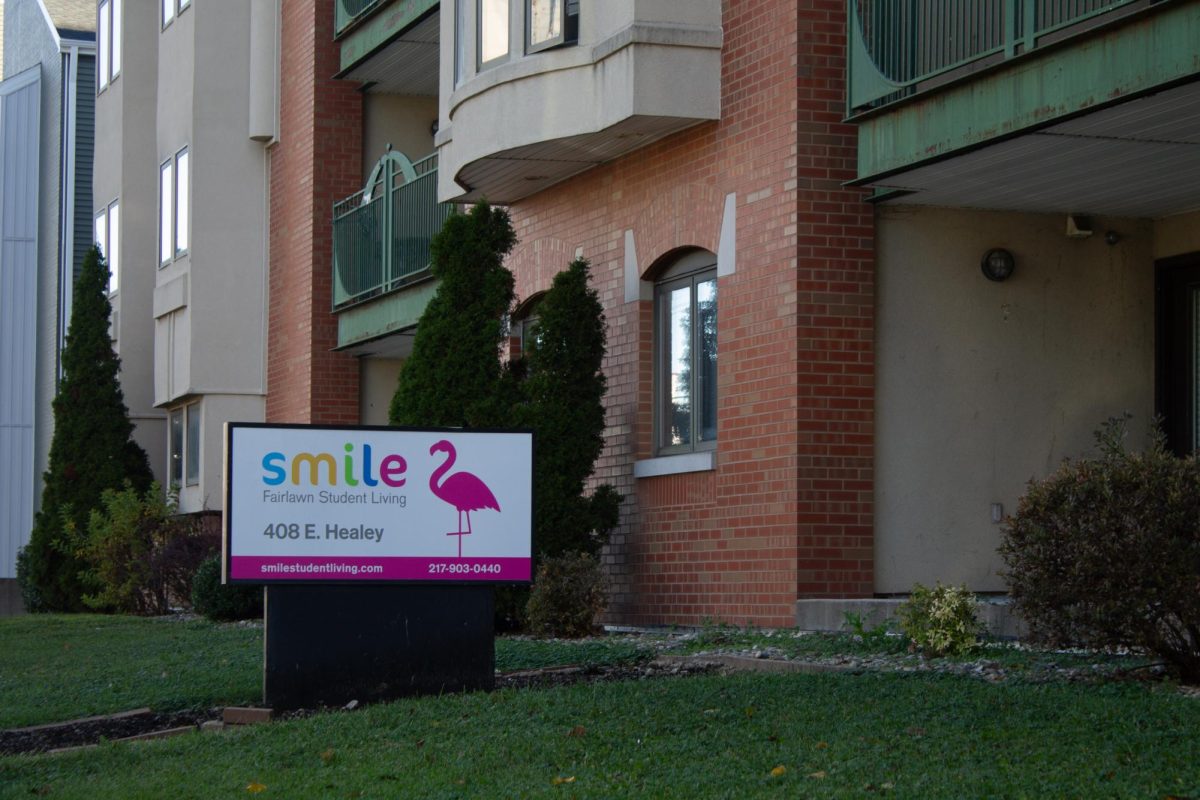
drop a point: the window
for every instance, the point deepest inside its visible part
(184, 443)
(549, 23)
(685, 319)
(175, 443)
(173, 221)
(493, 31)
(108, 55)
(108, 239)
(172, 7)
(192, 445)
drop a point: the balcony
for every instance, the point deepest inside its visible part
(898, 49)
(381, 239)
(1082, 106)
(348, 12)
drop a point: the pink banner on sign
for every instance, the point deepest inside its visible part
(312, 569)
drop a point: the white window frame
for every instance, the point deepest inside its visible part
(174, 207)
(103, 45)
(175, 448)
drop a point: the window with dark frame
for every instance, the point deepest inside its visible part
(175, 448)
(171, 9)
(550, 23)
(108, 43)
(108, 239)
(191, 445)
(685, 351)
(174, 179)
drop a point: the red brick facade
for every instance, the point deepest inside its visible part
(317, 160)
(787, 512)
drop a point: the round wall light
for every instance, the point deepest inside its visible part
(998, 264)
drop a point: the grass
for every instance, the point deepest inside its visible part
(886, 734)
(55, 668)
(743, 736)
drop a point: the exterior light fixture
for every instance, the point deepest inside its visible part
(998, 264)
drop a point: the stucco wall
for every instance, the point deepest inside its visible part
(982, 385)
(123, 170)
(377, 384)
(398, 120)
(1177, 235)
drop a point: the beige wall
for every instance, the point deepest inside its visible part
(125, 169)
(982, 385)
(401, 121)
(1177, 235)
(377, 384)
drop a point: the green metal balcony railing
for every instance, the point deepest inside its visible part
(347, 12)
(896, 46)
(381, 235)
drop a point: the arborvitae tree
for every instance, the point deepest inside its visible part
(453, 377)
(91, 449)
(565, 390)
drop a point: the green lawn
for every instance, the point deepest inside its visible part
(832, 736)
(874, 734)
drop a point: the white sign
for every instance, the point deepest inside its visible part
(320, 505)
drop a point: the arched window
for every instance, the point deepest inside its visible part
(685, 354)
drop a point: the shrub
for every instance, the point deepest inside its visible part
(567, 595)
(91, 449)
(940, 621)
(140, 555)
(565, 388)
(1106, 552)
(223, 602)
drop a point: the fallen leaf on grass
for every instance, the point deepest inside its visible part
(328, 755)
(822, 745)
(254, 787)
(559, 780)
(780, 770)
(913, 730)
(577, 732)
(819, 774)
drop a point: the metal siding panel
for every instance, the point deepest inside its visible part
(19, 151)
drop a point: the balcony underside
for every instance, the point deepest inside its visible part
(1105, 123)
(384, 326)
(508, 176)
(400, 63)
(1139, 158)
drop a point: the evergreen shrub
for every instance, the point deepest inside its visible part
(223, 602)
(91, 449)
(568, 594)
(1105, 552)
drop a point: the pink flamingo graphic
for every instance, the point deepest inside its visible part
(462, 490)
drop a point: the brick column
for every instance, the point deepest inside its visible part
(835, 323)
(317, 160)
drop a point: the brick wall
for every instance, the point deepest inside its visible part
(317, 160)
(788, 511)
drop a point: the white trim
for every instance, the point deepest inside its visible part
(50, 24)
(727, 245)
(700, 461)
